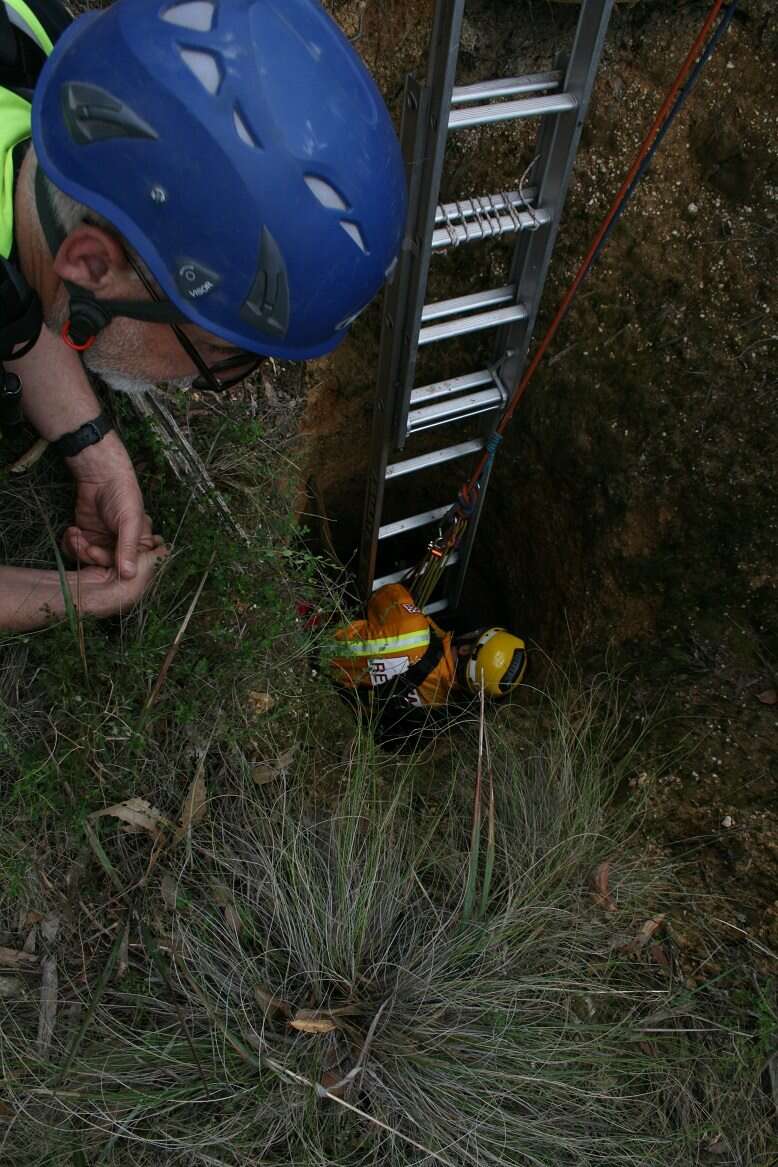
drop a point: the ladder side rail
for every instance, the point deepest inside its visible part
(557, 149)
(414, 145)
(423, 134)
(441, 78)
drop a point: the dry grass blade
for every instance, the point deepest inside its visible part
(30, 457)
(94, 1002)
(157, 959)
(47, 1011)
(101, 855)
(172, 652)
(475, 832)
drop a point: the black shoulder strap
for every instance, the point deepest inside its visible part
(417, 674)
(21, 57)
(7, 40)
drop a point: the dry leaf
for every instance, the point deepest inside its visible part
(260, 703)
(601, 894)
(11, 958)
(769, 697)
(263, 774)
(168, 888)
(334, 1084)
(195, 807)
(649, 928)
(47, 1015)
(644, 936)
(223, 897)
(137, 814)
(311, 1021)
(10, 988)
(124, 953)
(659, 956)
(269, 1002)
(50, 927)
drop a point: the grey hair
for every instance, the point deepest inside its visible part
(69, 214)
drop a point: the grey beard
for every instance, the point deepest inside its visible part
(123, 382)
(104, 365)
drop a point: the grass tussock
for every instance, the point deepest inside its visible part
(304, 982)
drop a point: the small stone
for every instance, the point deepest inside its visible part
(693, 208)
(727, 822)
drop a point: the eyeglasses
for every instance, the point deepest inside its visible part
(210, 375)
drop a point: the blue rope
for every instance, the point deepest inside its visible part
(678, 105)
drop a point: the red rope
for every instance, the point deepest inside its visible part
(583, 270)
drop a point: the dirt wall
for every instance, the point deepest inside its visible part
(636, 492)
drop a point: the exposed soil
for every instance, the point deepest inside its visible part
(633, 509)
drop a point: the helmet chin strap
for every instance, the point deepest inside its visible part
(88, 315)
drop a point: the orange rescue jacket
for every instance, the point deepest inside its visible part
(395, 636)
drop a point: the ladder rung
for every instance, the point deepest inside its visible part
(455, 409)
(509, 87)
(413, 523)
(467, 324)
(443, 309)
(434, 458)
(506, 111)
(398, 576)
(446, 212)
(438, 606)
(488, 218)
(426, 394)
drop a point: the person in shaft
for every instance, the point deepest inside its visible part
(413, 668)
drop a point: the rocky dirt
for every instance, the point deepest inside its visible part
(633, 511)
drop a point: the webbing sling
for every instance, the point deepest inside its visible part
(417, 673)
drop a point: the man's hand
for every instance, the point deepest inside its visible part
(110, 526)
(101, 591)
(31, 598)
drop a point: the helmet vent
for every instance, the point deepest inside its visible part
(326, 194)
(196, 16)
(354, 233)
(267, 307)
(206, 68)
(242, 130)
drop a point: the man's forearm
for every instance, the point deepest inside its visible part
(57, 397)
(29, 599)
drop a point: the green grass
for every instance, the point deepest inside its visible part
(528, 1036)
(452, 969)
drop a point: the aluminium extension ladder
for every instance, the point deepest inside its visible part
(402, 411)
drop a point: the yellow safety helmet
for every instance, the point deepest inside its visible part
(498, 661)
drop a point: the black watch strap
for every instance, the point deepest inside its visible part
(88, 434)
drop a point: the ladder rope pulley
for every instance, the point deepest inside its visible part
(433, 564)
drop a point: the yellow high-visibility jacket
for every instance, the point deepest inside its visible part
(15, 110)
(396, 639)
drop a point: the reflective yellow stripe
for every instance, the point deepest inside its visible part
(15, 114)
(387, 646)
(29, 23)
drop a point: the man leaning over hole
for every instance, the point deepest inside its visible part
(195, 186)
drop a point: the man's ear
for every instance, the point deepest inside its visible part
(93, 259)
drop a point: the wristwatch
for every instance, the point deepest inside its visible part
(88, 434)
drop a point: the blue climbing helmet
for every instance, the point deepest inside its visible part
(243, 150)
